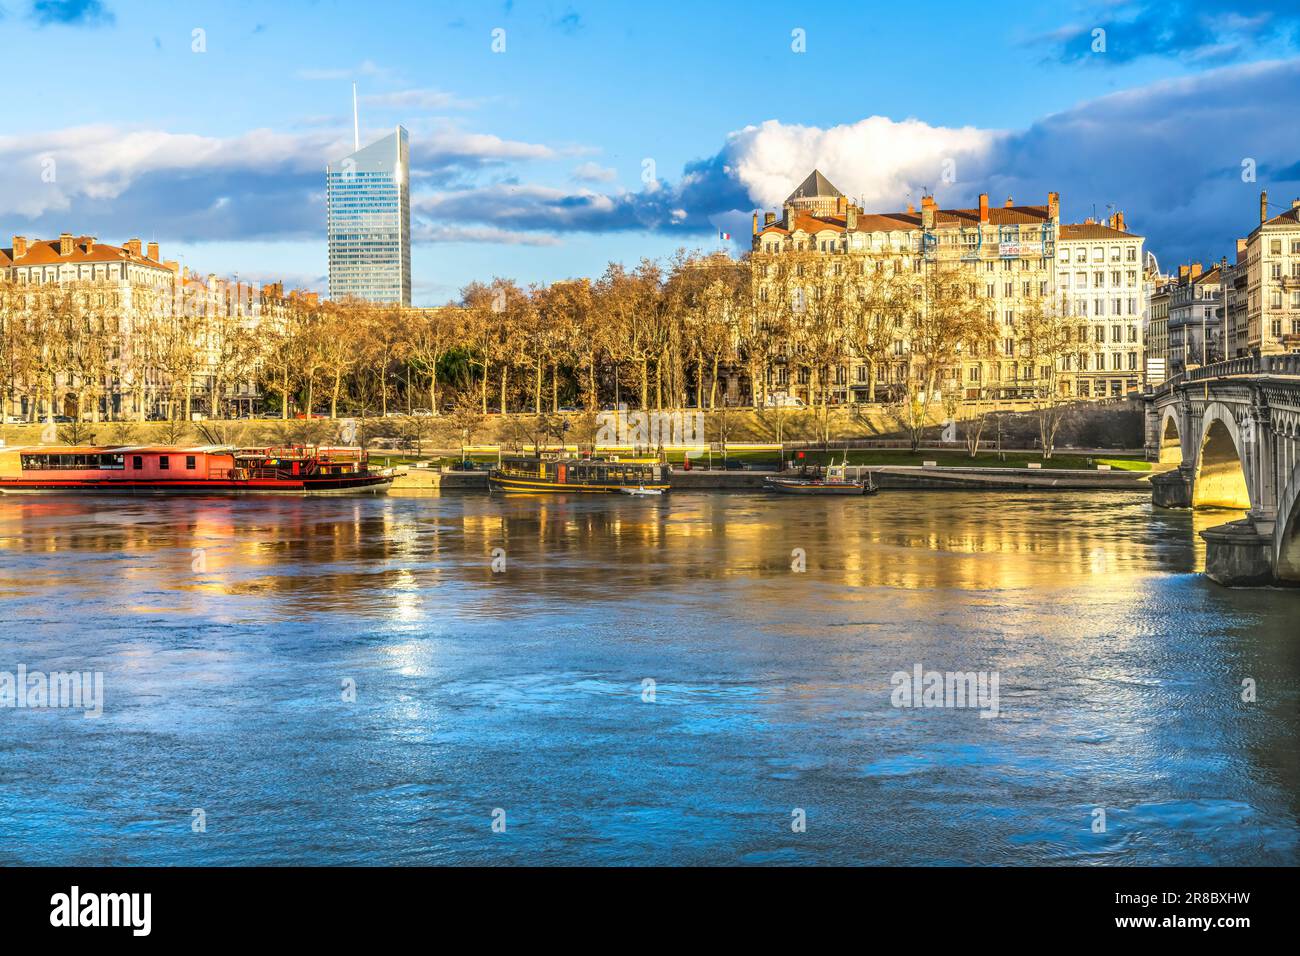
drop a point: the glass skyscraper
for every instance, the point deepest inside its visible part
(368, 218)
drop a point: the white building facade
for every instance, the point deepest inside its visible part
(1099, 277)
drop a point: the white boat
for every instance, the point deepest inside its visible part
(642, 492)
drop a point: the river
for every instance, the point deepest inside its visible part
(336, 681)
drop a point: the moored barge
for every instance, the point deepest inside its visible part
(532, 475)
(200, 470)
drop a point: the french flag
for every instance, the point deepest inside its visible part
(724, 236)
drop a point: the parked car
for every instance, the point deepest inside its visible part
(784, 400)
(15, 420)
(422, 413)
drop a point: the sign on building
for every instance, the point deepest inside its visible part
(1156, 371)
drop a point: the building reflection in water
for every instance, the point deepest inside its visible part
(410, 559)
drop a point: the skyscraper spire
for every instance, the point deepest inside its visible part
(356, 122)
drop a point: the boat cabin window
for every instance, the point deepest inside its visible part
(73, 462)
(137, 462)
(190, 462)
(164, 463)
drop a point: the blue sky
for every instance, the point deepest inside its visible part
(533, 162)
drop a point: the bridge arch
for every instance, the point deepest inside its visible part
(1286, 532)
(1220, 480)
(1171, 439)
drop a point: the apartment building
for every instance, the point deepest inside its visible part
(1157, 329)
(1267, 283)
(1195, 323)
(1100, 279)
(95, 330)
(1008, 251)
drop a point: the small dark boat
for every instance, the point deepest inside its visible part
(834, 482)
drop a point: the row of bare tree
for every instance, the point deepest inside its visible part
(699, 330)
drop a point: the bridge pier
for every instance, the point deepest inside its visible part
(1172, 489)
(1238, 554)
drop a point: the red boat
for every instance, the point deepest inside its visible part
(202, 470)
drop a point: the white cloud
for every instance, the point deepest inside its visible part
(50, 172)
(428, 232)
(594, 173)
(877, 159)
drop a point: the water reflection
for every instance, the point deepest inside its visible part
(224, 629)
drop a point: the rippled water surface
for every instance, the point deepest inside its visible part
(225, 630)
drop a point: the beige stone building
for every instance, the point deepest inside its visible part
(1157, 329)
(1018, 257)
(100, 331)
(1266, 285)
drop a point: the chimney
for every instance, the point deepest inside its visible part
(87, 243)
(133, 246)
(788, 210)
(1196, 269)
(1183, 272)
(911, 210)
(1089, 221)
(1119, 221)
(1010, 202)
(153, 252)
(20, 246)
(755, 232)
(851, 217)
(927, 212)
(1241, 249)
(1263, 206)
(65, 244)
(984, 207)
(768, 218)
(1053, 206)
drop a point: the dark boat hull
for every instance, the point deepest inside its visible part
(302, 487)
(788, 487)
(536, 486)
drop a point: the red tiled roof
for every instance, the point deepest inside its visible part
(45, 252)
(1092, 230)
(1290, 217)
(906, 221)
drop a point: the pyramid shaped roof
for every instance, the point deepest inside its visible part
(815, 185)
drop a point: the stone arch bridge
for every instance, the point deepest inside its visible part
(1233, 431)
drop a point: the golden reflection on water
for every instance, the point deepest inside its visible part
(401, 558)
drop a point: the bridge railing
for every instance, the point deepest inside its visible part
(1286, 364)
